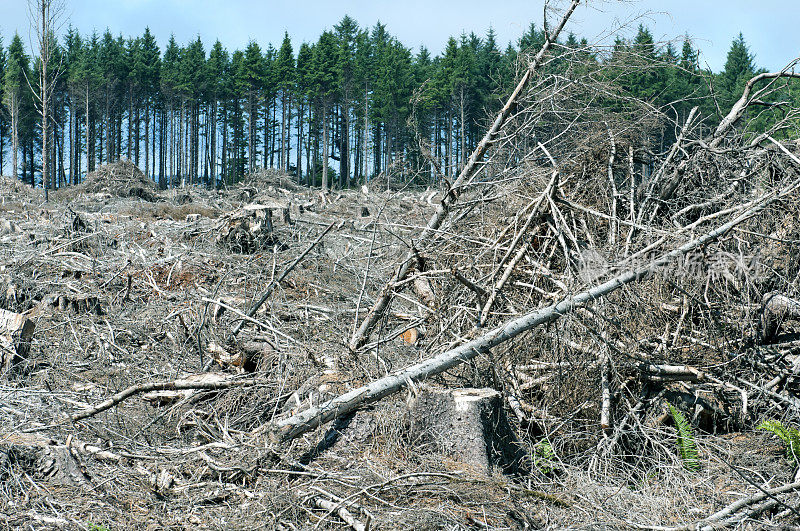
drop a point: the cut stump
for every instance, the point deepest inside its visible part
(42, 458)
(16, 332)
(468, 425)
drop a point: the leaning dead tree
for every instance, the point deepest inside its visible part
(311, 418)
(430, 234)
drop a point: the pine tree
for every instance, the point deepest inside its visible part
(364, 75)
(3, 116)
(531, 40)
(15, 83)
(147, 69)
(216, 68)
(193, 71)
(170, 88)
(324, 88)
(285, 75)
(739, 68)
(303, 81)
(254, 68)
(237, 160)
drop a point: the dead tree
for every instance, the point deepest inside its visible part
(44, 16)
(309, 419)
(451, 196)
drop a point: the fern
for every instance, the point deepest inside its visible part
(789, 435)
(686, 445)
(543, 456)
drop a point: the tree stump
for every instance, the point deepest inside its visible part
(41, 458)
(777, 309)
(468, 425)
(16, 332)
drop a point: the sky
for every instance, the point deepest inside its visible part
(769, 26)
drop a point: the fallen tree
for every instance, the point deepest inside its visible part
(287, 429)
(451, 195)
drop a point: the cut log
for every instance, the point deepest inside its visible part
(467, 425)
(423, 289)
(16, 332)
(410, 336)
(161, 397)
(245, 357)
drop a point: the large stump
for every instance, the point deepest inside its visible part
(468, 425)
(16, 332)
(776, 310)
(41, 458)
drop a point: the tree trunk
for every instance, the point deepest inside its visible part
(344, 146)
(14, 134)
(147, 139)
(300, 114)
(325, 146)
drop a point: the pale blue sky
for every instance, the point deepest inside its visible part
(769, 26)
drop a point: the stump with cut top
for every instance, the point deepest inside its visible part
(468, 425)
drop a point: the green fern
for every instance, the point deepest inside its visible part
(789, 435)
(543, 456)
(686, 444)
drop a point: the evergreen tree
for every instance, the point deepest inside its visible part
(254, 71)
(739, 68)
(216, 70)
(147, 70)
(363, 74)
(345, 31)
(14, 87)
(285, 76)
(170, 89)
(4, 125)
(303, 83)
(324, 89)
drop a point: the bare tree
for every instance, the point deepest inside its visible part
(44, 16)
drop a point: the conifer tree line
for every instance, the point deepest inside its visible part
(332, 113)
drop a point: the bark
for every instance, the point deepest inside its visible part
(461, 423)
(325, 146)
(16, 332)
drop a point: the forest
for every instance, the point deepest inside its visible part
(350, 106)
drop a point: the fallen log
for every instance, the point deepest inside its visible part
(305, 421)
(176, 385)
